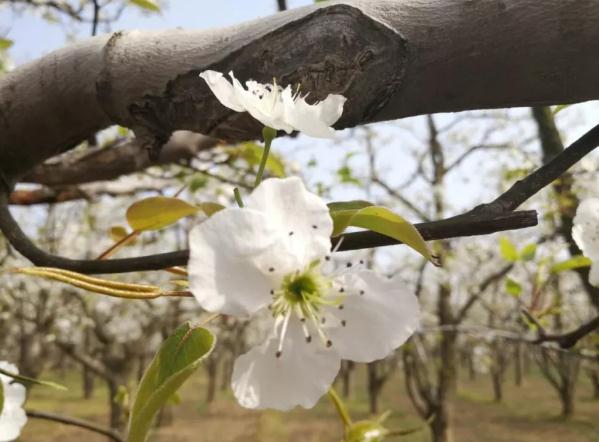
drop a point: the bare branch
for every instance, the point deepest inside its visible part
(86, 425)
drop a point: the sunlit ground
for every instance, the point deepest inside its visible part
(528, 413)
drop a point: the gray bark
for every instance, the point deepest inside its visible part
(390, 58)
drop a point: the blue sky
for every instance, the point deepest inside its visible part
(34, 36)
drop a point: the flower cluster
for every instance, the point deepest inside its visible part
(586, 234)
(268, 260)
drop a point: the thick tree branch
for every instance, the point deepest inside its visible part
(112, 435)
(391, 58)
(104, 164)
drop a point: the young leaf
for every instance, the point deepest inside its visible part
(508, 249)
(573, 263)
(342, 213)
(513, 287)
(28, 381)
(528, 252)
(382, 220)
(119, 233)
(178, 357)
(1, 397)
(5, 43)
(211, 208)
(149, 5)
(157, 212)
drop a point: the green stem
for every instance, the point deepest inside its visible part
(340, 406)
(268, 133)
(238, 197)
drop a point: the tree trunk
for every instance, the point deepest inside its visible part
(518, 364)
(566, 396)
(594, 376)
(442, 424)
(88, 379)
(346, 373)
(497, 386)
(374, 386)
(117, 414)
(211, 370)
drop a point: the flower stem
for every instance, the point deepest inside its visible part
(238, 197)
(268, 133)
(340, 406)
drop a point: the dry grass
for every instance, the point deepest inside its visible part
(528, 413)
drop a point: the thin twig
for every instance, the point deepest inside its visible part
(112, 435)
(484, 219)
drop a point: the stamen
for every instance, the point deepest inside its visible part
(343, 322)
(290, 233)
(338, 244)
(314, 226)
(283, 332)
(349, 264)
(271, 269)
(361, 292)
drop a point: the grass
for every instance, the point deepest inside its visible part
(529, 413)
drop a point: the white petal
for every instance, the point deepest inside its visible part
(223, 90)
(300, 376)
(313, 120)
(586, 227)
(13, 417)
(231, 255)
(12, 420)
(302, 216)
(594, 274)
(379, 314)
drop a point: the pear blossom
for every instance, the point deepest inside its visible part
(12, 415)
(268, 260)
(275, 107)
(586, 234)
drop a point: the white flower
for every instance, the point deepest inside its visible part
(276, 107)
(270, 255)
(12, 417)
(586, 234)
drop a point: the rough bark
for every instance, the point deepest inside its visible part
(390, 58)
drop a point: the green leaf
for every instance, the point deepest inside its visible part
(382, 220)
(348, 205)
(5, 43)
(573, 263)
(211, 208)
(119, 233)
(508, 249)
(1, 397)
(252, 154)
(149, 5)
(342, 213)
(157, 212)
(346, 176)
(197, 182)
(28, 381)
(179, 356)
(528, 252)
(513, 287)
